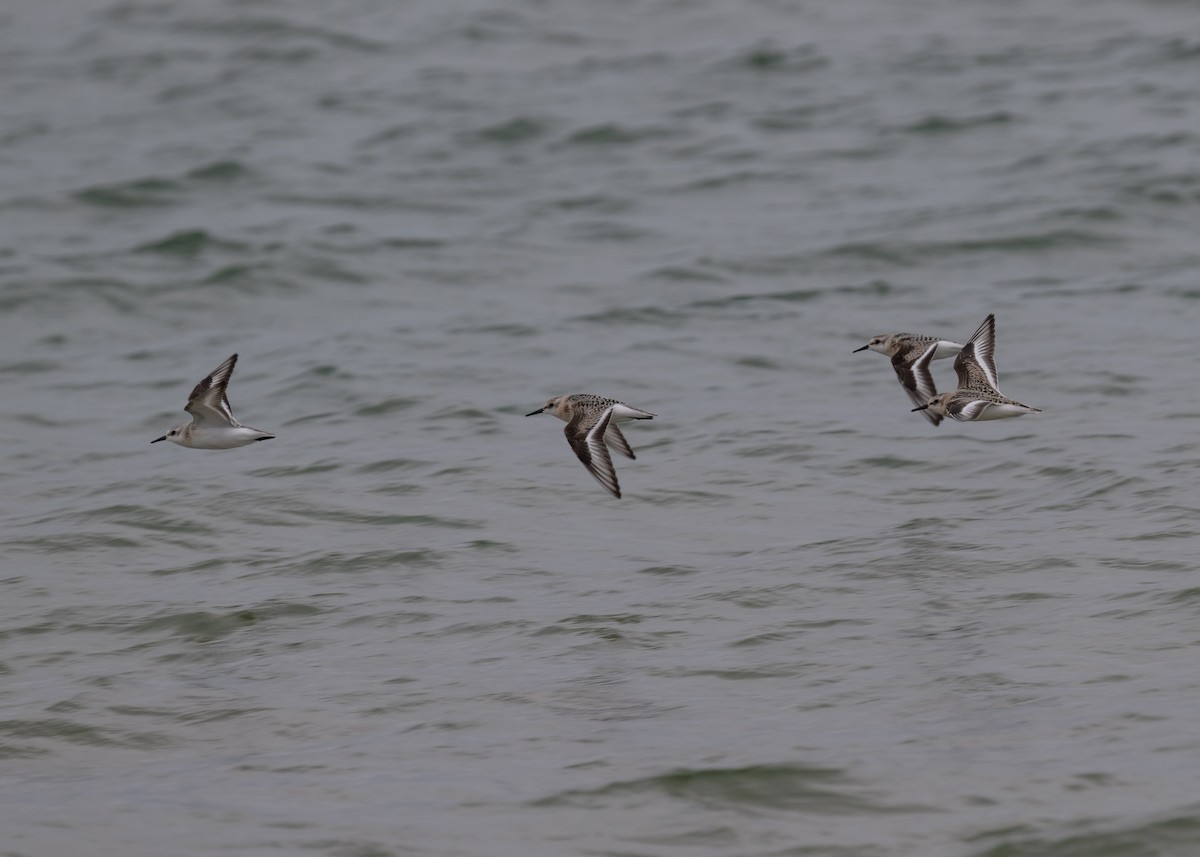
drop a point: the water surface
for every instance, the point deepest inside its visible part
(413, 624)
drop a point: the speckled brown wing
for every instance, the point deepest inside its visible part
(916, 379)
(585, 433)
(975, 365)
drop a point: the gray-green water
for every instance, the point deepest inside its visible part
(413, 624)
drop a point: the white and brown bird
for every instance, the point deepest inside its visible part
(592, 428)
(977, 397)
(906, 351)
(213, 425)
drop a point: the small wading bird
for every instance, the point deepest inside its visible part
(906, 350)
(977, 397)
(213, 425)
(592, 428)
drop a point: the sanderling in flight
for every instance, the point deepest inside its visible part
(213, 425)
(977, 396)
(592, 428)
(906, 350)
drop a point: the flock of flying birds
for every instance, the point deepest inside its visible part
(592, 420)
(978, 396)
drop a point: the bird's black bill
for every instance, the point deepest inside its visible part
(921, 408)
(538, 411)
(856, 350)
(157, 439)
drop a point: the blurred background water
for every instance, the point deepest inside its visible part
(413, 624)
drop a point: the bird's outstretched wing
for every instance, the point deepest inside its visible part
(208, 402)
(587, 439)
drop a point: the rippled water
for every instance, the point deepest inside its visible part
(413, 624)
